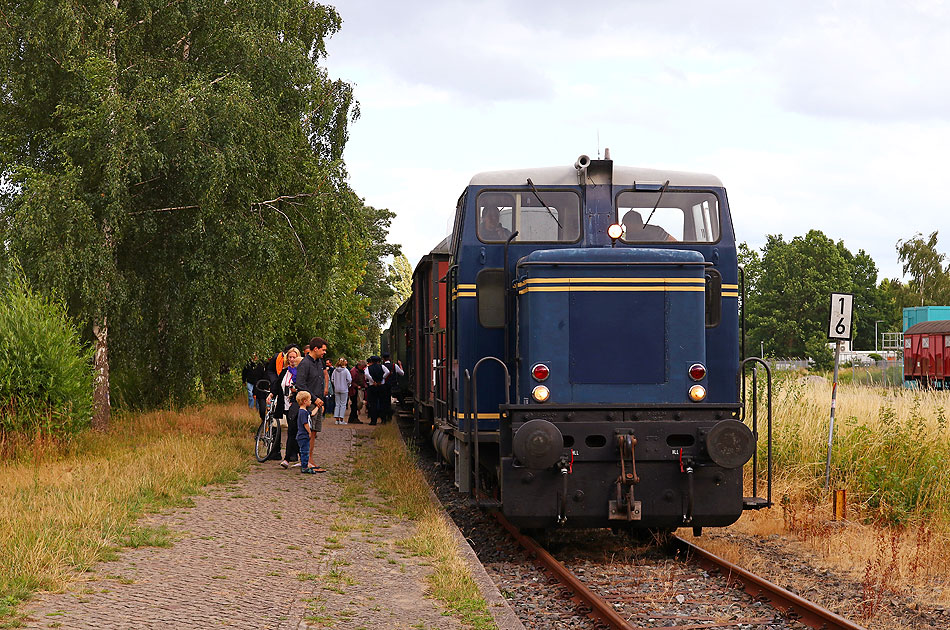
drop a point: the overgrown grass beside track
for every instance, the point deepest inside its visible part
(889, 451)
(398, 478)
(66, 506)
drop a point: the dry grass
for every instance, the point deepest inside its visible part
(889, 450)
(64, 507)
(889, 454)
(398, 478)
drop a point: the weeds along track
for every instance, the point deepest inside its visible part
(643, 585)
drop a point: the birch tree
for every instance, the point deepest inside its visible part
(172, 170)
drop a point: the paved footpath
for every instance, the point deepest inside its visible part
(277, 550)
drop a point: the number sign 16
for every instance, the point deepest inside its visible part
(839, 326)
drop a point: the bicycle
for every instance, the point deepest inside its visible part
(267, 437)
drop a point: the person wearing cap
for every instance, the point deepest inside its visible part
(375, 374)
(490, 227)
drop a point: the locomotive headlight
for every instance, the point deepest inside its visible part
(541, 393)
(615, 231)
(697, 393)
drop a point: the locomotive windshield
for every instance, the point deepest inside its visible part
(501, 213)
(687, 217)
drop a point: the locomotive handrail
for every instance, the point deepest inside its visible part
(471, 385)
(755, 429)
(508, 293)
(742, 312)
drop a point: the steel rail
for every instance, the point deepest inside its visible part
(790, 604)
(597, 607)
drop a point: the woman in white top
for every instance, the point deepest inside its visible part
(341, 379)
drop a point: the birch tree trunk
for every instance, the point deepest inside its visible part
(101, 406)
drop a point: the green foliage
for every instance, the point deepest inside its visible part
(400, 273)
(899, 479)
(930, 281)
(788, 289)
(175, 170)
(45, 370)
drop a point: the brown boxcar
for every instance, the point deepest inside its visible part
(927, 354)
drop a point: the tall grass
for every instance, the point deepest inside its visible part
(65, 506)
(889, 450)
(45, 371)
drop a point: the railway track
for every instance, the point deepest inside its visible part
(635, 589)
(789, 605)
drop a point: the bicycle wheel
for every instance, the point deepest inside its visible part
(274, 439)
(262, 442)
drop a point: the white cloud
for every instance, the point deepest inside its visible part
(830, 116)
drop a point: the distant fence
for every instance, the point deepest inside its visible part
(787, 364)
(865, 371)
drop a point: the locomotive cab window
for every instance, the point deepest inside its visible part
(649, 217)
(502, 213)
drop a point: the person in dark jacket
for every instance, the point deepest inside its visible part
(310, 378)
(247, 375)
(357, 391)
(375, 390)
(259, 374)
(394, 372)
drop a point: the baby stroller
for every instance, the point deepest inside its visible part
(267, 438)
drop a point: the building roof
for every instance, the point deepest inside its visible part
(567, 176)
(937, 327)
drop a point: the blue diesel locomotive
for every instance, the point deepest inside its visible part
(574, 349)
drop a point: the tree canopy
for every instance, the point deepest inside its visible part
(788, 289)
(173, 172)
(929, 279)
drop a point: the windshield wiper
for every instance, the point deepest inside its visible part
(656, 205)
(535, 191)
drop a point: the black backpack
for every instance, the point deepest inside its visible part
(376, 371)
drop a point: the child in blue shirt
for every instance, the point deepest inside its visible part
(307, 426)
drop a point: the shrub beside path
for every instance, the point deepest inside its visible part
(276, 549)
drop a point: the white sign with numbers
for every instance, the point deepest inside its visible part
(839, 326)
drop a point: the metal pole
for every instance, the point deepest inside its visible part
(831, 425)
(876, 338)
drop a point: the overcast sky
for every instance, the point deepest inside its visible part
(827, 115)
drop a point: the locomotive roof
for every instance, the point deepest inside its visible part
(442, 247)
(567, 176)
(940, 326)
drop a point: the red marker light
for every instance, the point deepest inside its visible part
(697, 371)
(540, 372)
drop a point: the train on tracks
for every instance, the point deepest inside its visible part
(572, 349)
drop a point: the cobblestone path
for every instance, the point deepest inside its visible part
(276, 550)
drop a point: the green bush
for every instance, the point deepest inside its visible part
(45, 370)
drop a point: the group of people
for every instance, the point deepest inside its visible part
(305, 387)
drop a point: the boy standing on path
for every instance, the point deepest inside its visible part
(308, 423)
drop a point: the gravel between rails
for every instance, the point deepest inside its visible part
(643, 582)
